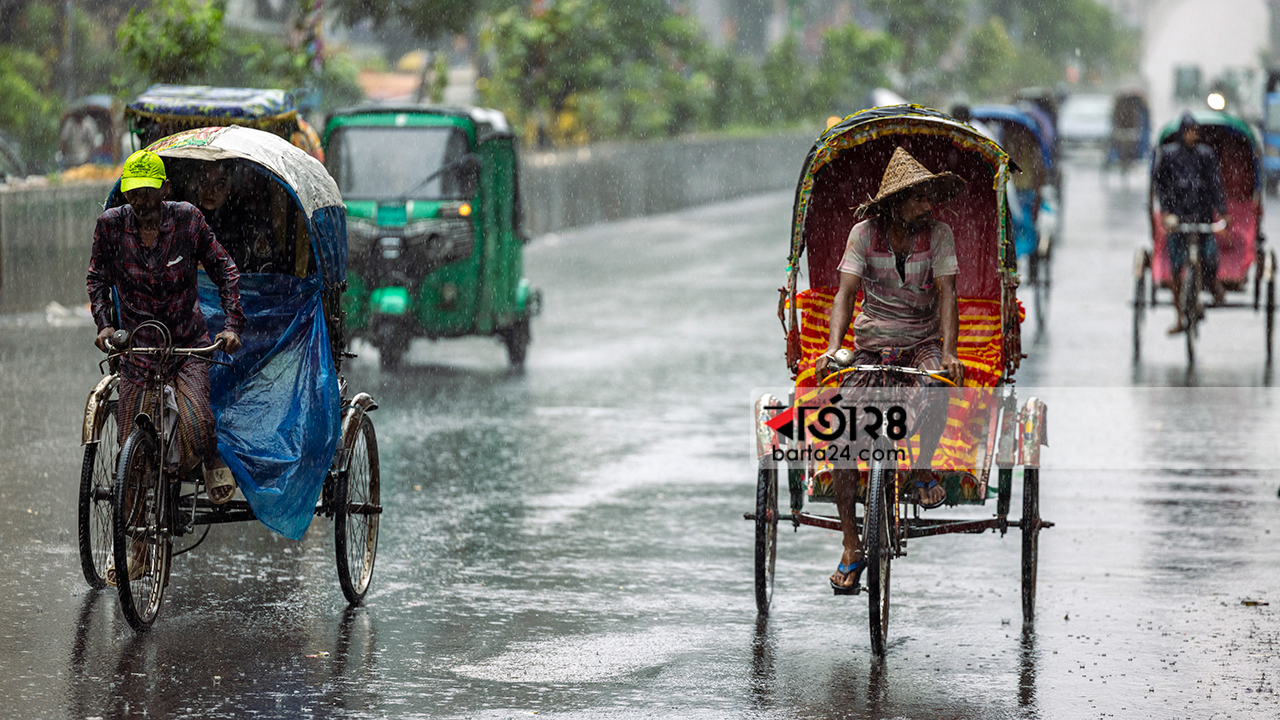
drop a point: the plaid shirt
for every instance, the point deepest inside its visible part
(159, 282)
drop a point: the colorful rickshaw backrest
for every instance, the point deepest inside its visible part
(844, 168)
(278, 404)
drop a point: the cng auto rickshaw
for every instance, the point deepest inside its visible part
(433, 224)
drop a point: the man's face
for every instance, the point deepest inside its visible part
(146, 202)
(215, 188)
(916, 207)
(1190, 136)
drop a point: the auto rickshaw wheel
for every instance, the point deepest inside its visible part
(357, 498)
(139, 531)
(877, 549)
(94, 522)
(766, 532)
(1030, 524)
(517, 338)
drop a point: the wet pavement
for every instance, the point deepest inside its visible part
(570, 542)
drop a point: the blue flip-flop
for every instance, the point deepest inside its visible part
(854, 568)
(930, 484)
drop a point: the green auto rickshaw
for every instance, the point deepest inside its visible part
(433, 226)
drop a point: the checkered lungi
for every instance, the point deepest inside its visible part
(196, 430)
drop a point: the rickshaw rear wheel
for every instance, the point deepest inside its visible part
(1139, 311)
(1271, 315)
(877, 549)
(139, 523)
(358, 498)
(517, 338)
(766, 532)
(96, 506)
(1030, 540)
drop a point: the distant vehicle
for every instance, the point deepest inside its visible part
(433, 225)
(1188, 83)
(164, 110)
(1271, 133)
(1130, 129)
(1085, 120)
(92, 133)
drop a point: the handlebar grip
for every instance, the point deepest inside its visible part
(119, 339)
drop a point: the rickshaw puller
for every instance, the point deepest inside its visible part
(1188, 183)
(148, 251)
(905, 264)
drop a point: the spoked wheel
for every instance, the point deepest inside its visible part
(1030, 540)
(1191, 309)
(1271, 307)
(96, 502)
(358, 499)
(1139, 310)
(140, 531)
(766, 532)
(878, 551)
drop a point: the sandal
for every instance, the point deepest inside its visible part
(855, 569)
(219, 484)
(137, 566)
(923, 486)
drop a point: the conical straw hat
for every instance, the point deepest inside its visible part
(905, 172)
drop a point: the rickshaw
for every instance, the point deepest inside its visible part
(167, 109)
(1130, 130)
(434, 222)
(843, 167)
(298, 442)
(1033, 205)
(1242, 251)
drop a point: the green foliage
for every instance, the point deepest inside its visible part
(926, 29)
(1083, 32)
(27, 108)
(174, 41)
(990, 62)
(789, 83)
(853, 62)
(426, 18)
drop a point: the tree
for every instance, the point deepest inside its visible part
(175, 41)
(990, 59)
(925, 29)
(853, 62)
(426, 18)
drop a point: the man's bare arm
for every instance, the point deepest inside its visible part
(841, 315)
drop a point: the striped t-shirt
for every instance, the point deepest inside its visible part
(898, 312)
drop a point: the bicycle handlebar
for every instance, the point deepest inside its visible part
(942, 375)
(1200, 227)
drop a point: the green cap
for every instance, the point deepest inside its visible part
(143, 169)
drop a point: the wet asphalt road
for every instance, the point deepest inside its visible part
(570, 542)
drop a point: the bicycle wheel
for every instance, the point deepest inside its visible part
(1191, 307)
(1271, 315)
(1030, 540)
(878, 551)
(1139, 311)
(95, 506)
(358, 498)
(766, 532)
(140, 530)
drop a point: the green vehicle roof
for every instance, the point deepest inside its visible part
(1209, 117)
(481, 122)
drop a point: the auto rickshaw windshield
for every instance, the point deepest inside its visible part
(386, 163)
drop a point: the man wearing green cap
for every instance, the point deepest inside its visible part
(148, 252)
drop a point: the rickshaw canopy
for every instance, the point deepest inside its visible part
(1236, 143)
(1005, 115)
(278, 404)
(844, 168)
(253, 107)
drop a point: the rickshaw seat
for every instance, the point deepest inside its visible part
(979, 347)
(1236, 252)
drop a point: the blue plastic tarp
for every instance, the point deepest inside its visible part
(277, 406)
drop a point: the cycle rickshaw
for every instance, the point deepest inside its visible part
(843, 167)
(1034, 207)
(298, 442)
(1243, 255)
(1130, 130)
